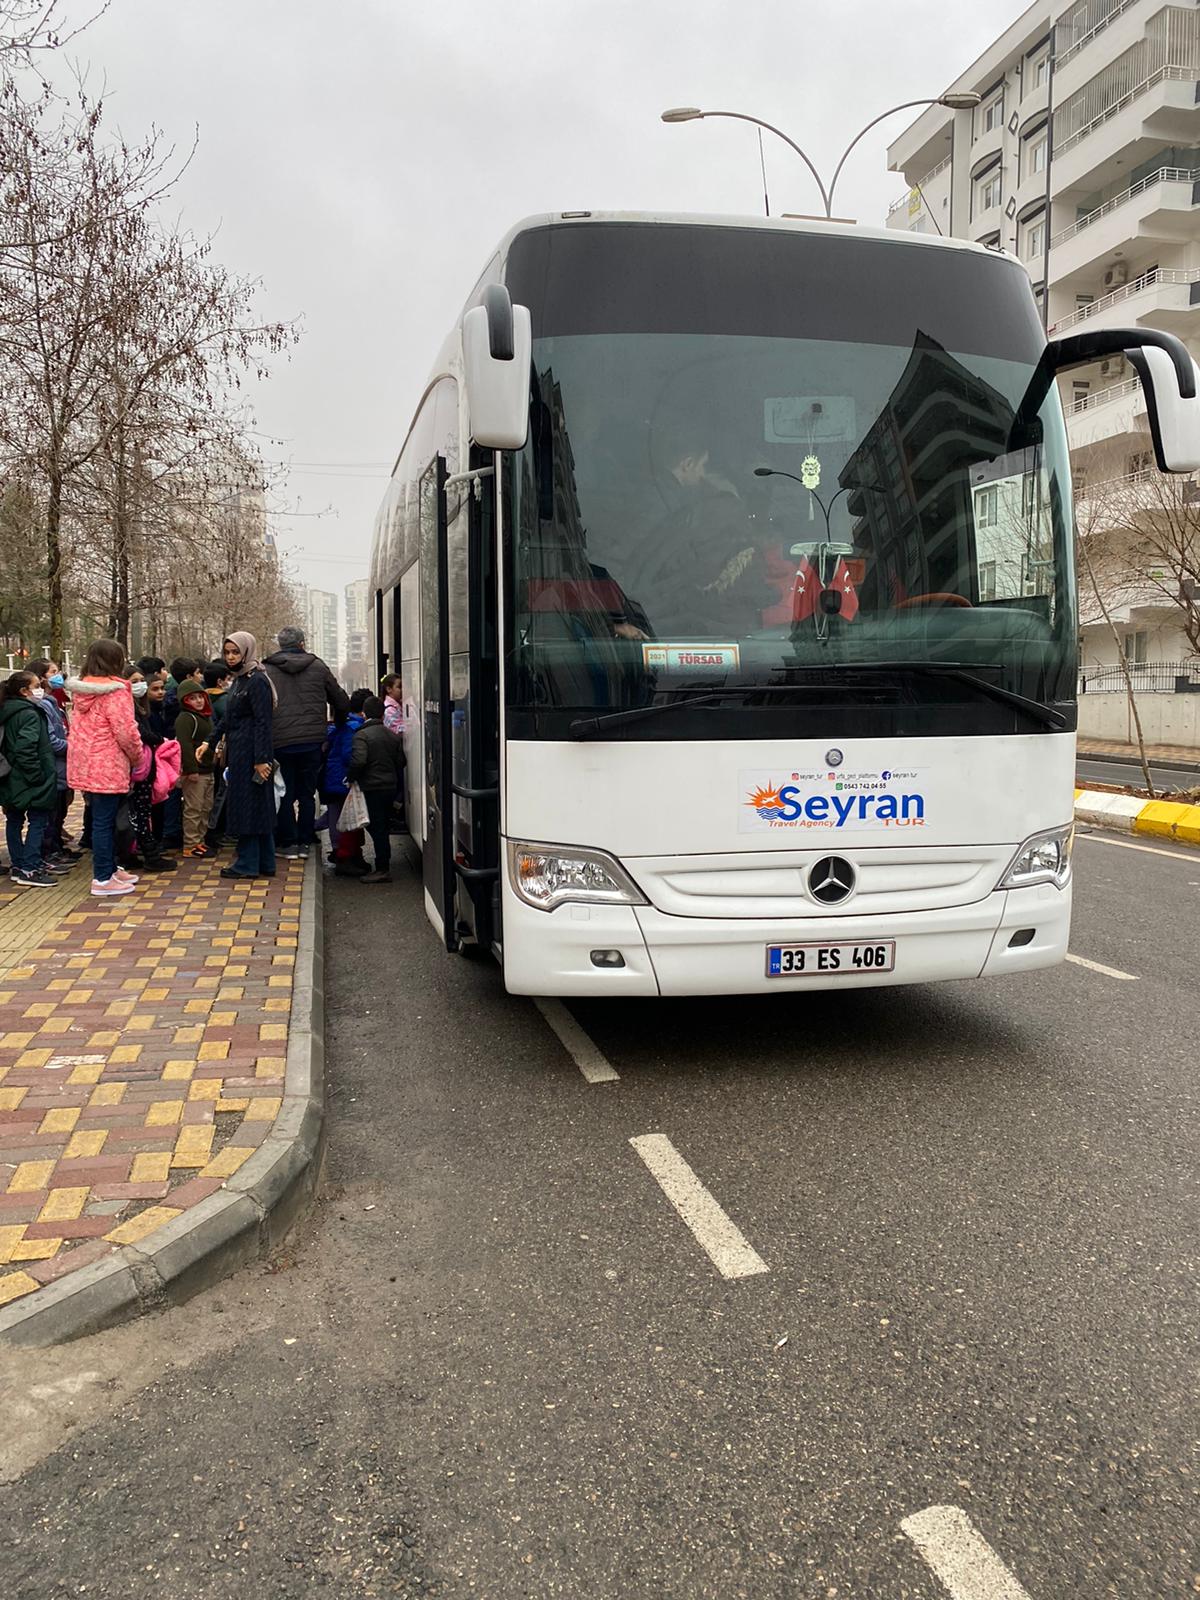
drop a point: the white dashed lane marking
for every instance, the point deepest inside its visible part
(1106, 972)
(960, 1557)
(727, 1247)
(590, 1060)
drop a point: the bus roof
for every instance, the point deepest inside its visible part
(814, 225)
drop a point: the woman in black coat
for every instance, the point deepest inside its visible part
(250, 795)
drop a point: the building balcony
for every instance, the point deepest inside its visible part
(1160, 206)
(1166, 298)
(1162, 108)
(1106, 414)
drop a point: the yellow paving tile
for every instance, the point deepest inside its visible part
(193, 1145)
(232, 1105)
(85, 1142)
(214, 1050)
(41, 1008)
(236, 991)
(222, 1019)
(235, 969)
(56, 984)
(87, 1072)
(205, 1089)
(124, 1054)
(31, 1175)
(120, 1008)
(14, 1284)
(10, 1238)
(279, 980)
(152, 1166)
(64, 1205)
(79, 997)
(277, 1003)
(147, 961)
(167, 972)
(263, 1108)
(189, 1035)
(107, 1094)
(59, 1024)
(145, 1222)
(226, 1162)
(104, 1040)
(272, 1030)
(10, 1099)
(177, 1069)
(19, 974)
(212, 981)
(33, 1058)
(142, 1022)
(134, 985)
(242, 952)
(60, 1119)
(163, 1113)
(15, 1041)
(36, 1249)
(283, 960)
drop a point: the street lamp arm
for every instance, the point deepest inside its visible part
(907, 105)
(740, 116)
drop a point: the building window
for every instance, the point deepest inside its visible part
(1036, 146)
(991, 113)
(1038, 72)
(1035, 239)
(988, 189)
(987, 581)
(987, 507)
(1135, 646)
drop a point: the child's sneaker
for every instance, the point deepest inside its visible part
(113, 886)
(38, 879)
(198, 852)
(122, 876)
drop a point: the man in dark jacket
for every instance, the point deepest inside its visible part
(377, 766)
(304, 686)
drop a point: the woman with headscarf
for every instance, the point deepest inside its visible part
(250, 795)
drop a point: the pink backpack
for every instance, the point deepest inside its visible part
(168, 763)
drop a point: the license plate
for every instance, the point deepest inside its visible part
(830, 960)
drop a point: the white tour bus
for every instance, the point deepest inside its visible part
(729, 568)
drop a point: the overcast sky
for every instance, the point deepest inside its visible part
(363, 157)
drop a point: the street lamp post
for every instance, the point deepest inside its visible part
(954, 101)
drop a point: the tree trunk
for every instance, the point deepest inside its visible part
(1125, 673)
(54, 585)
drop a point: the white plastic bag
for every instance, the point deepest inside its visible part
(280, 788)
(354, 810)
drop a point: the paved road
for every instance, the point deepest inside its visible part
(498, 1363)
(1166, 778)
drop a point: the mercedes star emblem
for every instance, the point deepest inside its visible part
(831, 880)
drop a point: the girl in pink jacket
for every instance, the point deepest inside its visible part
(102, 746)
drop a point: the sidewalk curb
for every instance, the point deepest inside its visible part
(1129, 813)
(1133, 760)
(244, 1220)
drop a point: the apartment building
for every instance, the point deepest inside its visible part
(357, 669)
(321, 624)
(1083, 160)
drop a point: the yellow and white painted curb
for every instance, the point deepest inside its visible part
(1129, 813)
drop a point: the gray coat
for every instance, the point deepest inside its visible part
(304, 686)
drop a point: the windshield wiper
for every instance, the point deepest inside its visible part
(1049, 716)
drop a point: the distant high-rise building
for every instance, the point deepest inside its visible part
(357, 668)
(321, 624)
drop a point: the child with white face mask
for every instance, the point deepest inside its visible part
(55, 855)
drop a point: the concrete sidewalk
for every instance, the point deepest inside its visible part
(1169, 755)
(143, 1049)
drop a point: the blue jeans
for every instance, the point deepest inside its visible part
(25, 846)
(301, 771)
(103, 808)
(255, 855)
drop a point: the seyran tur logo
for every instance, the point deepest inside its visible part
(809, 800)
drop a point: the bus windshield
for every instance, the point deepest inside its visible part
(726, 488)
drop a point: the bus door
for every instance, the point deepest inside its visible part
(474, 686)
(435, 697)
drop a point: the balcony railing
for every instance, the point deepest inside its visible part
(1101, 397)
(1163, 75)
(1163, 175)
(1112, 12)
(920, 184)
(1148, 280)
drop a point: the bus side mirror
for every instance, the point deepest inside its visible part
(1169, 377)
(1174, 418)
(496, 348)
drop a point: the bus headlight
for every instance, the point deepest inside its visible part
(546, 876)
(1044, 858)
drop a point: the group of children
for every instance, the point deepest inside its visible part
(141, 743)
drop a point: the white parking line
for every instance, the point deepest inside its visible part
(1181, 854)
(590, 1060)
(961, 1558)
(727, 1247)
(1107, 972)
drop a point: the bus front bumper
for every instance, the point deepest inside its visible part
(553, 953)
